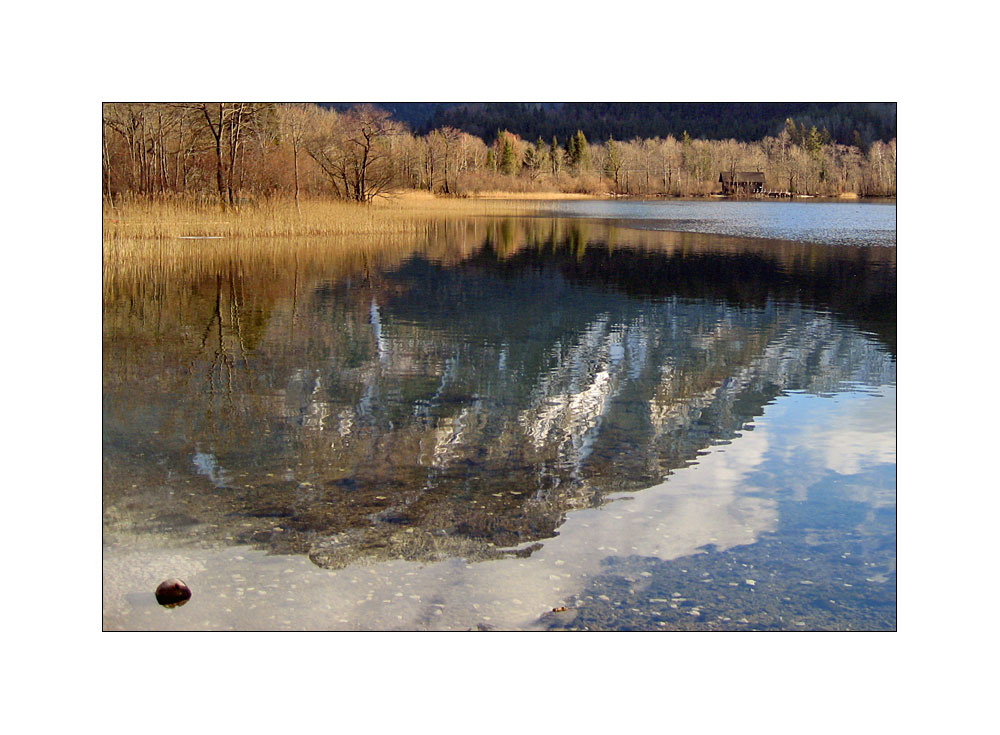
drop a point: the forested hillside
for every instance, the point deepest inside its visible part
(418, 115)
(599, 121)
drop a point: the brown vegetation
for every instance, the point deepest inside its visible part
(238, 154)
(141, 219)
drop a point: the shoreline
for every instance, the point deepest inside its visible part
(561, 196)
(183, 226)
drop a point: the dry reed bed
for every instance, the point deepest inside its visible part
(149, 259)
(153, 262)
(178, 220)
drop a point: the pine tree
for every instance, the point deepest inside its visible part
(814, 141)
(581, 151)
(542, 147)
(508, 159)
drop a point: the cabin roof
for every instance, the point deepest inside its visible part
(742, 177)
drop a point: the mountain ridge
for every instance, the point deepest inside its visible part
(599, 121)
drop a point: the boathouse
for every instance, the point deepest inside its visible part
(742, 182)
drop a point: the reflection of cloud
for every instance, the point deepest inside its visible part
(702, 504)
(860, 431)
(720, 501)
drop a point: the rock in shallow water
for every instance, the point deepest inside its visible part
(173, 593)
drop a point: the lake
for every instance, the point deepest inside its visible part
(861, 223)
(579, 421)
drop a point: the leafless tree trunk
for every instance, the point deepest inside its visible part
(215, 129)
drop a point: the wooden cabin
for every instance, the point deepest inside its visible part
(742, 183)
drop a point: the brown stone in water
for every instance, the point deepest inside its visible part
(173, 593)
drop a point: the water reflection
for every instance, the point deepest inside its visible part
(457, 406)
(759, 535)
(860, 224)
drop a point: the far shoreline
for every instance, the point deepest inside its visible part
(564, 196)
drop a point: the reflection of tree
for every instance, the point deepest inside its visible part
(857, 283)
(425, 411)
(227, 341)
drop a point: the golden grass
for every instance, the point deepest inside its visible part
(142, 237)
(182, 219)
(169, 233)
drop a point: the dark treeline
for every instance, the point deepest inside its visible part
(845, 123)
(237, 151)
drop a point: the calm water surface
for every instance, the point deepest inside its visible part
(836, 223)
(501, 419)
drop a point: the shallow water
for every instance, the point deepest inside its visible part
(655, 431)
(859, 223)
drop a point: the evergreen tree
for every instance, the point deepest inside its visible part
(687, 152)
(542, 147)
(814, 141)
(508, 158)
(581, 151)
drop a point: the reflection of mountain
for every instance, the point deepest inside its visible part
(858, 284)
(429, 411)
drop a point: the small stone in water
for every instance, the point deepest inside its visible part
(173, 593)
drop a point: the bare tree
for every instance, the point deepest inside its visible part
(373, 170)
(226, 149)
(294, 122)
(325, 142)
(449, 138)
(354, 151)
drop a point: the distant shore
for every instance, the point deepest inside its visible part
(535, 195)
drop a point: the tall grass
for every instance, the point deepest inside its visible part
(174, 219)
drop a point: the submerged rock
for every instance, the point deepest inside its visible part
(173, 593)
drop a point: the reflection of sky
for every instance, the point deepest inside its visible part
(858, 431)
(727, 499)
(206, 463)
(847, 223)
